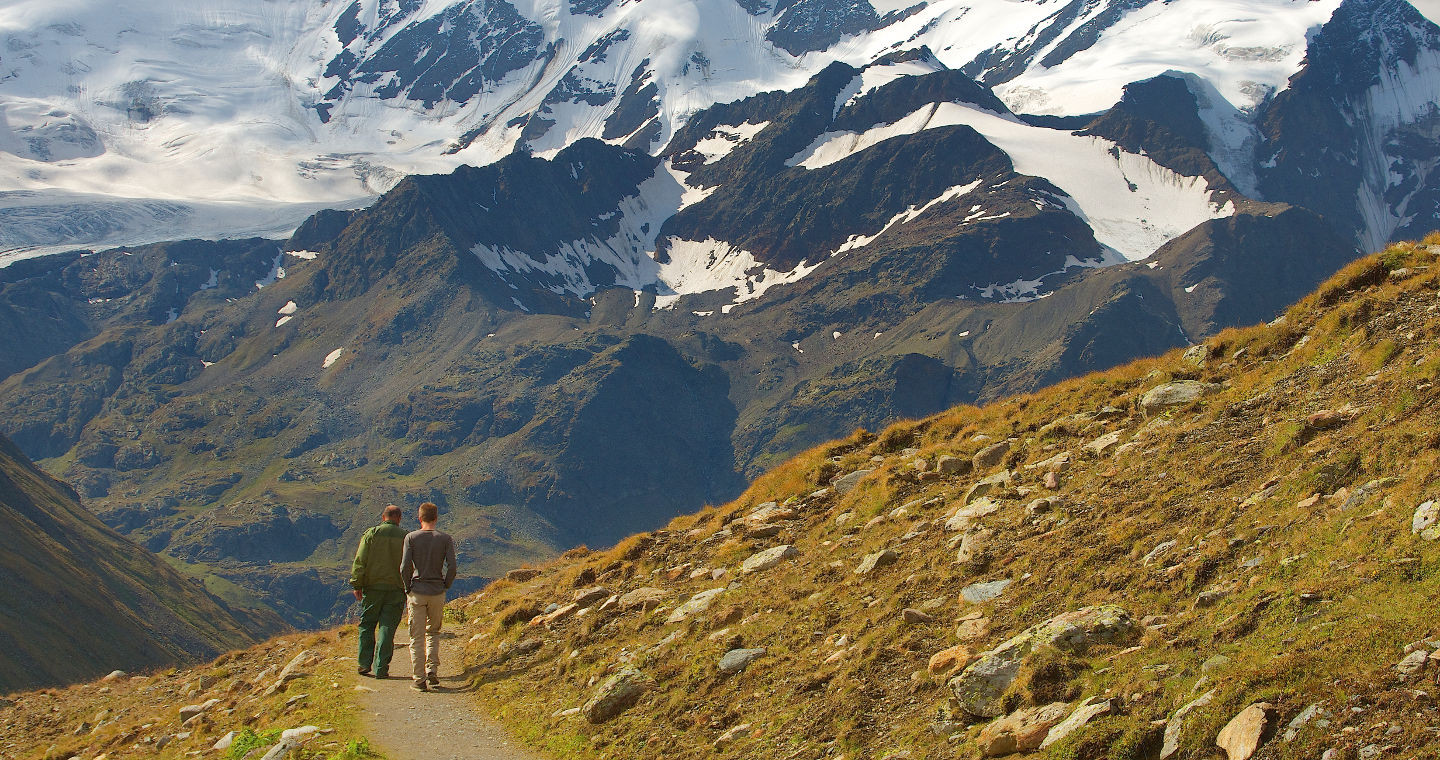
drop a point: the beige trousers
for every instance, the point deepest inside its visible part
(427, 612)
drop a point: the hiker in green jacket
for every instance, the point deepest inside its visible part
(375, 577)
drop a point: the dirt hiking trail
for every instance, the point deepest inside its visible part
(442, 724)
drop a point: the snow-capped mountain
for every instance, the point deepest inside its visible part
(128, 121)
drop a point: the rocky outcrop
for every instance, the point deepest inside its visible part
(980, 687)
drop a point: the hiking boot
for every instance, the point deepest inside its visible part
(419, 686)
(363, 671)
(433, 679)
(382, 675)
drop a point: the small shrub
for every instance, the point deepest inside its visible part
(249, 739)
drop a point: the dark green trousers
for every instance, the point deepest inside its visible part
(379, 608)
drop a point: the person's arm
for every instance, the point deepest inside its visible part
(450, 568)
(357, 568)
(407, 565)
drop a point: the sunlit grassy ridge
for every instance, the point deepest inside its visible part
(1294, 571)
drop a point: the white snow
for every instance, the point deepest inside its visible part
(213, 282)
(171, 315)
(276, 273)
(288, 308)
(726, 138)
(910, 214)
(305, 255)
(710, 265)
(235, 146)
(332, 357)
(1192, 288)
(281, 321)
(835, 335)
(1133, 204)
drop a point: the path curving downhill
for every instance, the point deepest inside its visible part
(442, 724)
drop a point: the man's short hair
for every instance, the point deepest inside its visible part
(429, 512)
(391, 514)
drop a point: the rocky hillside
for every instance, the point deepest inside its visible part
(1194, 556)
(116, 604)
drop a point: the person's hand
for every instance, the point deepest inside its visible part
(357, 594)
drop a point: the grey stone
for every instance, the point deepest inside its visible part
(644, 598)
(1292, 729)
(991, 455)
(522, 574)
(1088, 710)
(977, 593)
(1412, 663)
(615, 695)
(988, 485)
(1171, 395)
(914, 616)
(767, 559)
(847, 483)
(1104, 443)
(695, 605)
(872, 562)
(1175, 727)
(967, 516)
(1243, 735)
(737, 660)
(1159, 551)
(282, 749)
(950, 465)
(1426, 522)
(589, 597)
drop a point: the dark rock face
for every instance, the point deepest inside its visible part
(805, 25)
(1001, 64)
(449, 56)
(252, 535)
(1158, 117)
(1324, 126)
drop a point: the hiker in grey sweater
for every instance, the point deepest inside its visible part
(427, 568)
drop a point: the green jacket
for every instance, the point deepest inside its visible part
(377, 561)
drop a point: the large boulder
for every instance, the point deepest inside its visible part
(1171, 395)
(615, 695)
(767, 559)
(1243, 735)
(980, 687)
(695, 605)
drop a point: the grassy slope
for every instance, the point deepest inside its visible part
(116, 604)
(1340, 587)
(138, 716)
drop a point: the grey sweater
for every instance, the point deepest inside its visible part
(428, 563)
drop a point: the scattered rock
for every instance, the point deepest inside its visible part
(1104, 443)
(615, 695)
(847, 483)
(950, 466)
(300, 733)
(695, 605)
(873, 562)
(589, 597)
(1218, 662)
(224, 742)
(1021, 731)
(645, 598)
(915, 617)
(972, 547)
(1244, 734)
(114, 675)
(281, 750)
(979, 593)
(1197, 354)
(1159, 551)
(987, 485)
(1052, 481)
(974, 629)
(1171, 395)
(947, 661)
(522, 574)
(1058, 463)
(189, 711)
(1292, 729)
(990, 456)
(968, 516)
(1088, 710)
(291, 671)
(737, 660)
(1426, 522)
(731, 734)
(1175, 727)
(767, 559)
(981, 686)
(1412, 663)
